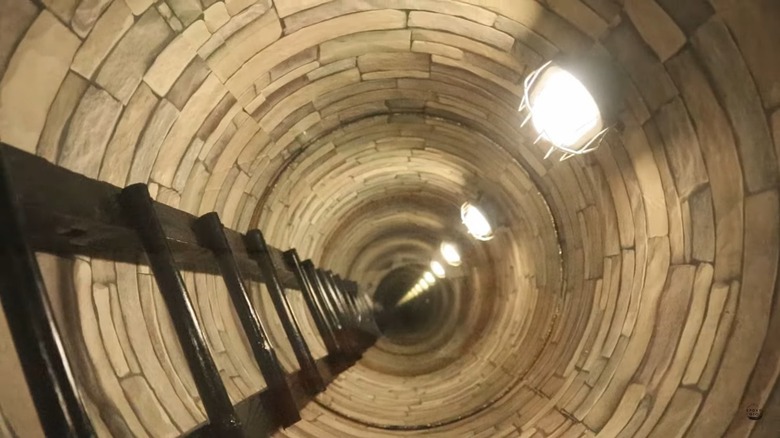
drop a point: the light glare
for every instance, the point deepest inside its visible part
(476, 222)
(429, 278)
(450, 253)
(438, 269)
(563, 110)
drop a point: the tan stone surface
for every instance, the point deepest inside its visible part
(133, 55)
(656, 27)
(187, 11)
(172, 61)
(216, 16)
(111, 26)
(289, 7)
(119, 152)
(139, 6)
(86, 14)
(741, 102)
(16, 16)
(31, 81)
(90, 129)
(71, 91)
(461, 27)
(628, 293)
(190, 118)
(752, 317)
(149, 145)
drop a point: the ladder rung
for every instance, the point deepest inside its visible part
(31, 321)
(312, 302)
(138, 207)
(211, 233)
(258, 249)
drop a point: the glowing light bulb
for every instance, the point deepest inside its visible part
(450, 253)
(563, 110)
(438, 269)
(476, 222)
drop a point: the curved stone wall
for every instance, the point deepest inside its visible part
(631, 292)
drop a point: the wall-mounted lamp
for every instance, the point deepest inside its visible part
(450, 253)
(476, 222)
(438, 269)
(571, 102)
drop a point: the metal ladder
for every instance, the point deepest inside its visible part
(65, 213)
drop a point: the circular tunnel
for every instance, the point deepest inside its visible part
(628, 292)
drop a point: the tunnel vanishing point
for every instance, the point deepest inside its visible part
(629, 292)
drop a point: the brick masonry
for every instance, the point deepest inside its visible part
(628, 293)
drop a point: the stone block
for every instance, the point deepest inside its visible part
(86, 15)
(172, 61)
(581, 16)
(304, 57)
(186, 10)
(111, 26)
(71, 91)
(133, 55)
(185, 166)
(172, 392)
(393, 61)
(736, 88)
(34, 75)
(139, 6)
(16, 16)
(188, 82)
(148, 148)
(367, 42)
(332, 9)
(702, 225)
(656, 27)
(762, 240)
(334, 67)
(753, 25)
(216, 16)
(62, 8)
(436, 49)
(649, 180)
(95, 350)
(184, 129)
(459, 26)
(541, 30)
(679, 415)
(90, 129)
(682, 147)
(289, 7)
(119, 153)
(311, 36)
(150, 412)
(107, 330)
(235, 24)
(245, 44)
(689, 15)
(235, 6)
(643, 67)
(719, 151)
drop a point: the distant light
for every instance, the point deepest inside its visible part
(429, 278)
(562, 111)
(476, 222)
(424, 284)
(450, 253)
(438, 269)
